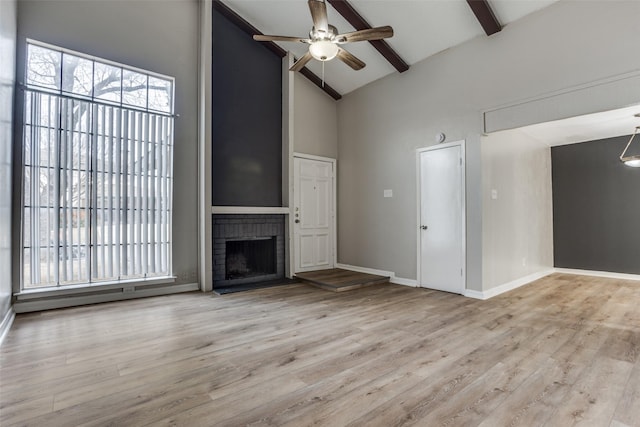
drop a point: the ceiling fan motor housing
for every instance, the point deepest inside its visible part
(316, 35)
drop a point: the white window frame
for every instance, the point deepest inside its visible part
(93, 134)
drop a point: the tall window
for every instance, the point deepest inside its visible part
(97, 186)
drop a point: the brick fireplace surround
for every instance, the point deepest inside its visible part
(245, 226)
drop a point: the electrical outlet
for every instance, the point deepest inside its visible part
(524, 261)
(494, 194)
(388, 193)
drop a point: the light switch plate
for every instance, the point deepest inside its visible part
(494, 194)
(388, 193)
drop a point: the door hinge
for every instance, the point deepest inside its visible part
(460, 161)
(461, 273)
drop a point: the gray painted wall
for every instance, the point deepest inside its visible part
(517, 225)
(315, 120)
(7, 82)
(380, 126)
(158, 36)
(596, 207)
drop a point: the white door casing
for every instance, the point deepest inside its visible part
(313, 213)
(441, 217)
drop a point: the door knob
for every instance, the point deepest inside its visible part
(424, 227)
(297, 221)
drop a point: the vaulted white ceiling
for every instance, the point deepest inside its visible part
(590, 127)
(422, 28)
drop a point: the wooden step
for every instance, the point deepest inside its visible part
(339, 280)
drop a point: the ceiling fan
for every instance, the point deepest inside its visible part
(324, 41)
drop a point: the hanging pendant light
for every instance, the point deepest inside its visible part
(633, 161)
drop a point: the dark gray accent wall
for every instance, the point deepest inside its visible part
(247, 119)
(596, 207)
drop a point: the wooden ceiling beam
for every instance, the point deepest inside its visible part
(345, 9)
(485, 16)
(245, 26)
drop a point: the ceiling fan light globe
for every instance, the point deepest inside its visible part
(633, 161)
(323, 50)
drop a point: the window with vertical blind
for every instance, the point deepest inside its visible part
(97, 178)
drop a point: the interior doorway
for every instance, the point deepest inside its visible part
(441, 217)
(313, 214)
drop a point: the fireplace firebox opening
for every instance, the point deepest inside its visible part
(248, 258)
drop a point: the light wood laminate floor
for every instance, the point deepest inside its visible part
(561, 351)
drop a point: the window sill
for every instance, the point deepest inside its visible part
(126, 286)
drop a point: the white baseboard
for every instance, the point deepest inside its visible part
(607, 274)
(405, 282)
(6, 324)
(26, 306)
(390, 274)
(470, 293)
(365, 270)
(506, 287)
(489, 293)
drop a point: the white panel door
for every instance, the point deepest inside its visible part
(442, 252)
(313, 215)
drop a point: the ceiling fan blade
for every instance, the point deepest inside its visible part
(300, 63)
(350, 60)
(368, 34)
(265, 38)
(318, 10)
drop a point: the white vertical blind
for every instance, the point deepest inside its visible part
(97, 191)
